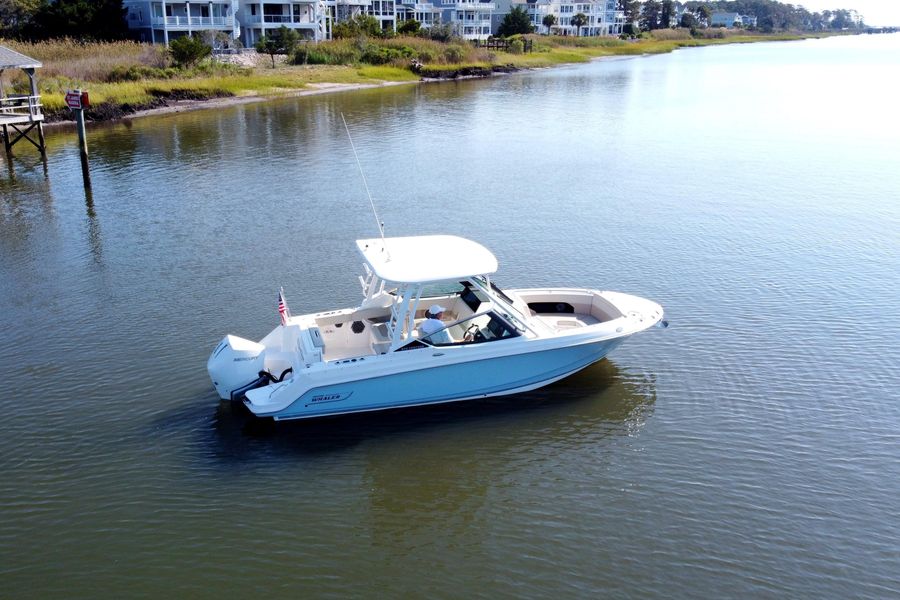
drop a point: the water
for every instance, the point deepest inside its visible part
(751, 450)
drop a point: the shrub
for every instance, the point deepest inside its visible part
(188, 50)
(426, 55)
(138, 72)
(439, 33)
(381, 55)
(454, 53)
(410, 27)
(516, 46)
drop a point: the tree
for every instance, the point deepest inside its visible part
(410, 27)
(282, 41)
(579, 21)
(366, 25)
(267, 45)
(688, 20)
(549, 21)
(667, 16)
(650, 15)
(81, 19)
(515, 22)
(632, 10)
(188, 50)
(703, 14)
(841, 20)
(15, 15)
(288, 38)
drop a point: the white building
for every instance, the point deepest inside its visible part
(471, 19)
(310, 18)
(602, 16)
(159, 20)
(248, 20)
(426, 13)
(724, 19)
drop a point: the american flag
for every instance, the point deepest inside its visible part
(283, 309)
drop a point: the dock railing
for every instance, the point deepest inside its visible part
(503, 44)
(20, 109)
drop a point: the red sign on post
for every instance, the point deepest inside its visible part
(73, 99)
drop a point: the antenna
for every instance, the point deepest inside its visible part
(378, 221)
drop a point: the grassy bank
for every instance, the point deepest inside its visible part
(126, 76)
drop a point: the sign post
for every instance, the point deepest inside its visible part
(77, 101)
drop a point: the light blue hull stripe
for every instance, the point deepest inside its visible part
(482, 378)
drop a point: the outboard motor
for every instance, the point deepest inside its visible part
(235, 365)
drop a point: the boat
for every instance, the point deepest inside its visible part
(396, 349)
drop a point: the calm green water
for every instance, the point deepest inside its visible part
(751, 450)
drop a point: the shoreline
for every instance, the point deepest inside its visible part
(183, 106)
(175, 106)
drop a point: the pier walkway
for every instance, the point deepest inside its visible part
(20, 114)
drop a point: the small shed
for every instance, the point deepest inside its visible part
(20, 113)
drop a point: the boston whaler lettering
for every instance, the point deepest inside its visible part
(489, 342)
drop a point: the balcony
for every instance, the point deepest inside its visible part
(185, 22)
(297, 21)
(462, 5)
(480, 22)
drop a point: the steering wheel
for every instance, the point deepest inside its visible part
(471, 332)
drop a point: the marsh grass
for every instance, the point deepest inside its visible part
(133, 95)
(671, 34)
(88, 61)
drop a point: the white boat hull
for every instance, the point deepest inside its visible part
(430, 384)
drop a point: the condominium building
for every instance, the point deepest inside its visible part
(159, 20)
(602, 16)
(310, 18)
(425, 13)
(471, 19)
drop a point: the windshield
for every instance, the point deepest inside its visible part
(485, 327)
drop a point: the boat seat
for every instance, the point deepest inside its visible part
(561, 322)
(380, 340)
(373, 314)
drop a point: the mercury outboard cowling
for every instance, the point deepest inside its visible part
(235, 365)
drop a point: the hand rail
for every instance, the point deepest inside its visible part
(21, 105)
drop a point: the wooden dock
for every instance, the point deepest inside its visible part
(20, 114)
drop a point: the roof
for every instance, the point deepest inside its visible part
(426, 258)
(10, 59)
